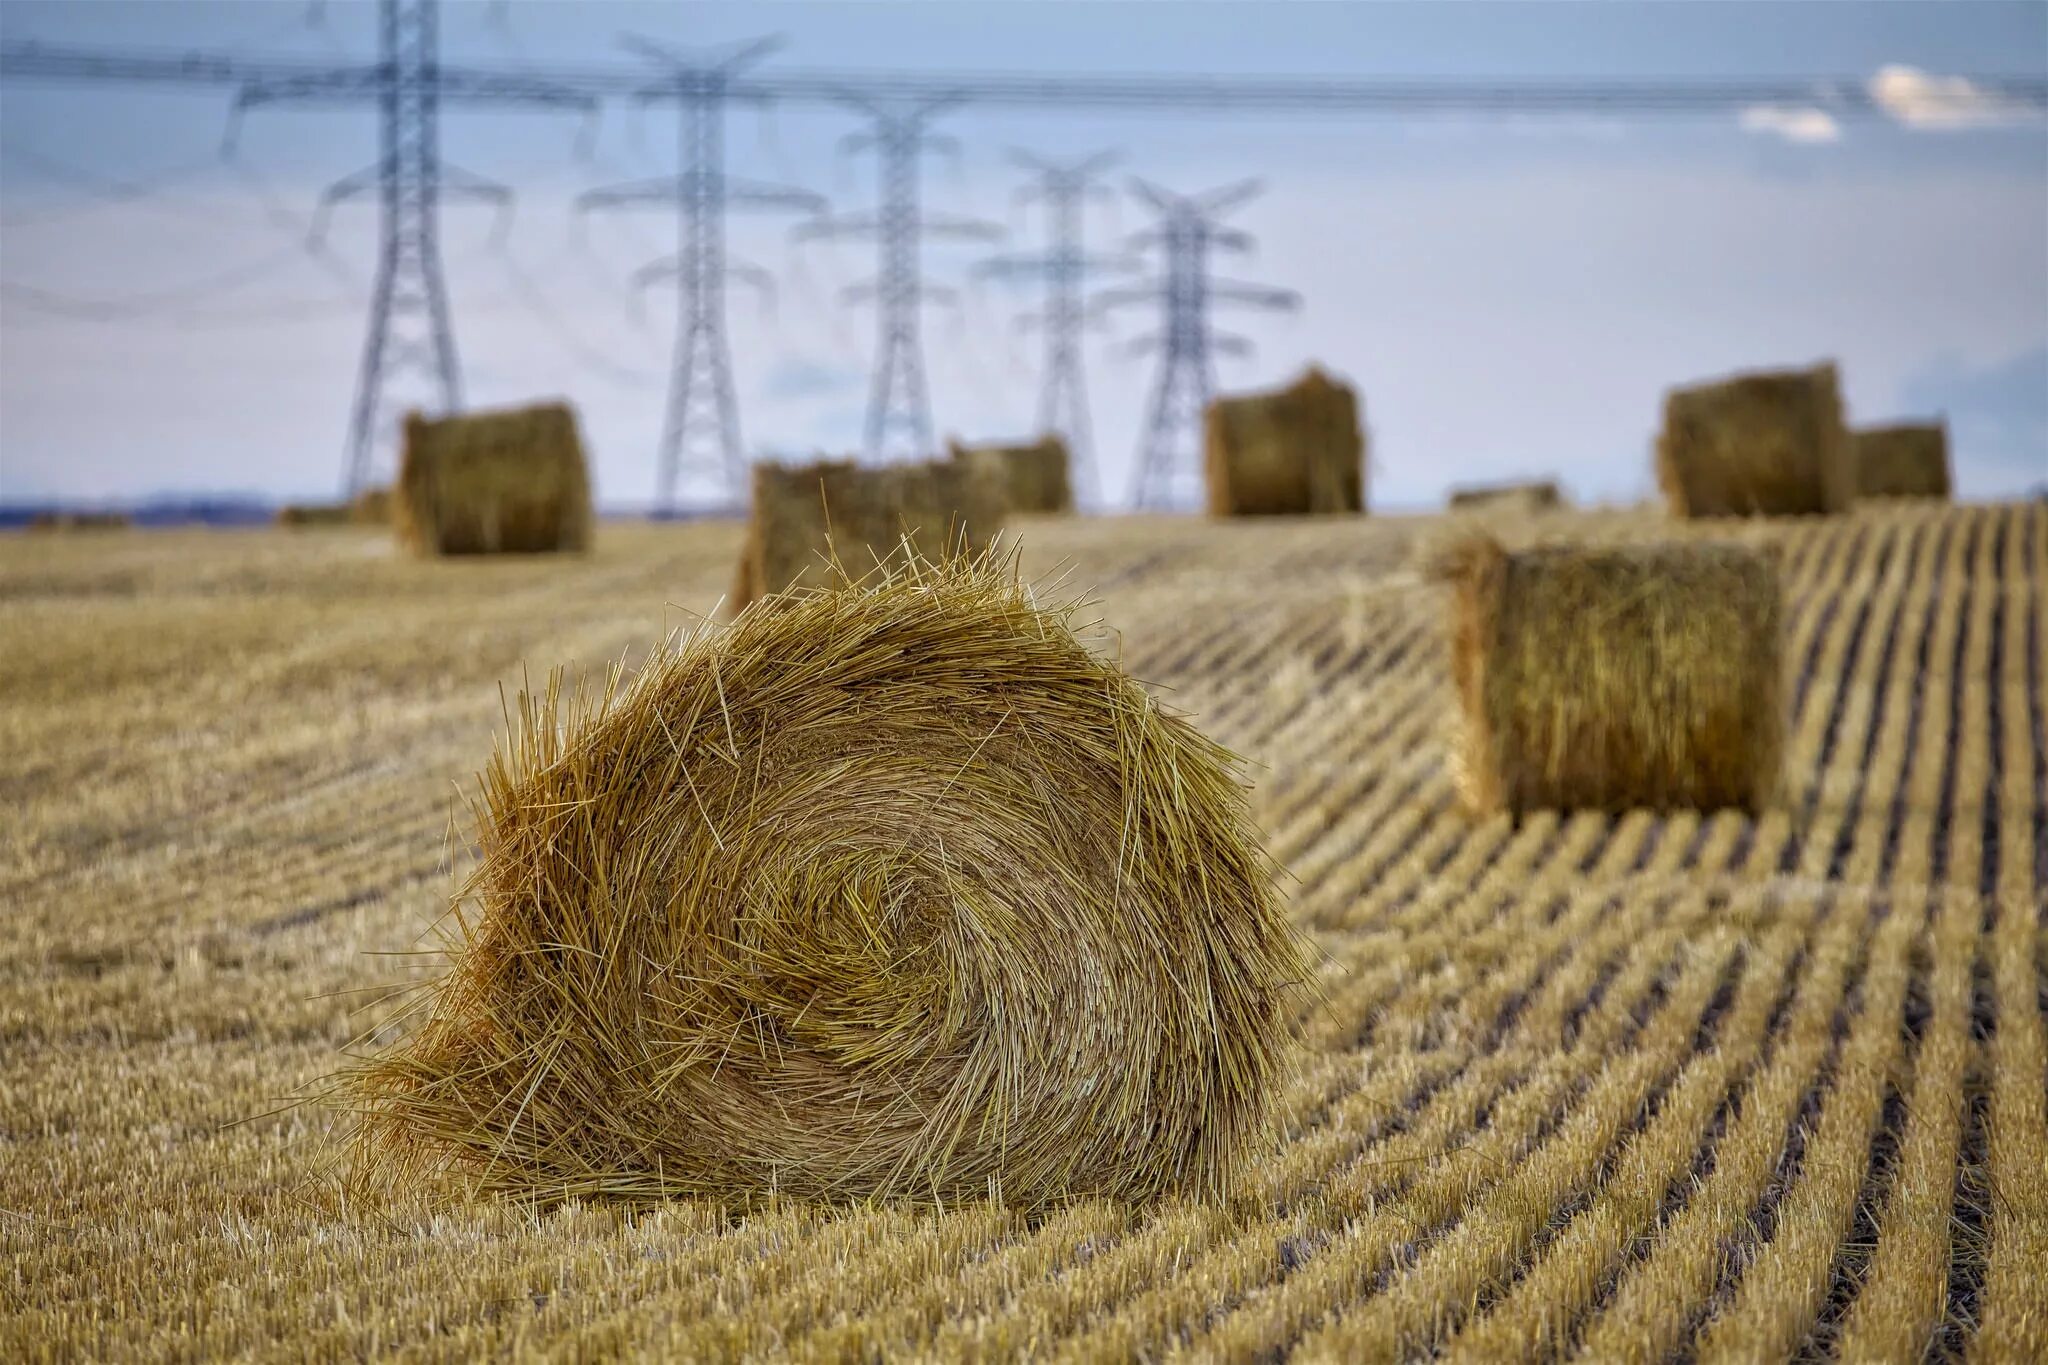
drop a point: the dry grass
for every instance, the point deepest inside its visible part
(1613, 1087)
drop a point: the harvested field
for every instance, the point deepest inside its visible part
(1622, 1086)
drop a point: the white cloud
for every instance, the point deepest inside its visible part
(1792, 123)
(1919, 100)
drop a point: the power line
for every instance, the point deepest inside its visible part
(700, 434)
(127, 306)
(102, 191)
(1842, 95)
(410, 329)
(410, 333)
(1189, 231)
(899, 417)
(1064, 267)
(526, 291)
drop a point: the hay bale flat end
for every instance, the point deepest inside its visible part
(1616, 678)
(814, 525)
(1903, 460)
(1036, 478)
(1298, 450)
(1770, 443)
(508, 482)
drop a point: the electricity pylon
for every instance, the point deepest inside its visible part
(700, 435)
(410, 333)
(1188, 231)
(1064, 267)
(899, 404)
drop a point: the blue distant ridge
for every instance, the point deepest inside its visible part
(183, 511)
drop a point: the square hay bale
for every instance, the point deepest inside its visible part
(1293, 451)
(1035, 477)
(1904, 460)
(1769, 443)
(1638, 676)
(80, 521)
(808, 517)
(512, 481)
(372, 507)
(303, 514)
(1532, 495)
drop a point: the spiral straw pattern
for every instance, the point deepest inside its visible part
(893, 890)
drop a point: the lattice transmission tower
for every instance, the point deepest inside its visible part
(1189, 230)
(700, 435)
(899, 418)
(411, 337)
(1064, 267)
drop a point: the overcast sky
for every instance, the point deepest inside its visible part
(1511, 298)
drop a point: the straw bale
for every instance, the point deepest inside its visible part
(895, 890)
(1614, 678)
(1533, 495)
(1035, 477)
(372, 507)
(301, 514)
(1295, 450)
(512, 481)
(1905, 460)
(80, 521)
(1770, 443)
(814, 524)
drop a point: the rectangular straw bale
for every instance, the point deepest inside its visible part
(1615, 678)
(1292, 451)
(372, 507)
(80, 521)
(806, 517)
(1532, 495)
(1904, 460)
(513, 481)
(1769, 443)
(315, 514)
(1035, 477)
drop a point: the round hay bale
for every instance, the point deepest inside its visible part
(1904, 460)
(888, 891)
(1294, 451)
(1643, 675)
(1771, 443)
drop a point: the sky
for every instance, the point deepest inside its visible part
(1511, 297)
